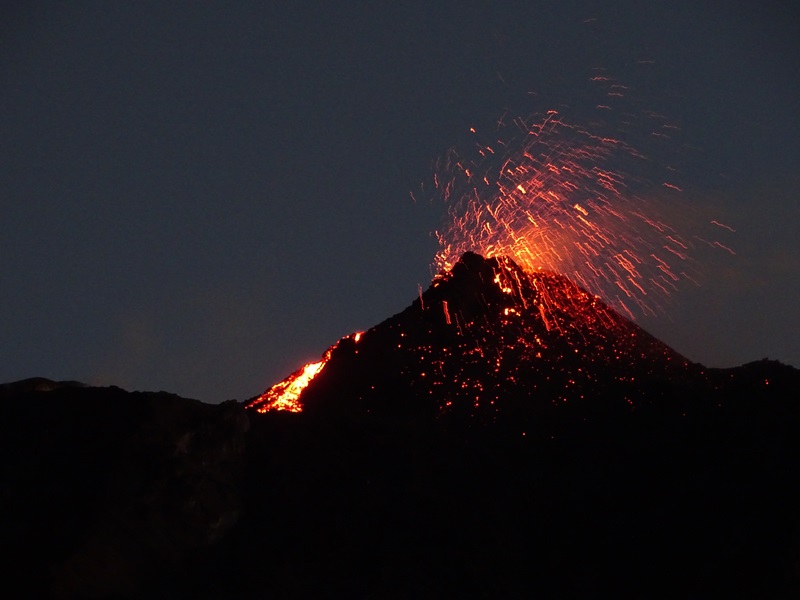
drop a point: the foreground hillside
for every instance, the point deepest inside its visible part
(110, 494)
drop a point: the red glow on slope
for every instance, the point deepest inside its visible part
(286, 394)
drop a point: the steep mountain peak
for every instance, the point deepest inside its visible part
(495, 293)
(486, 335)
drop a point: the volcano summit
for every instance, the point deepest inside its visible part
(489, 342)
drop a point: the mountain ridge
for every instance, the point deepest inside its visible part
(482, 331)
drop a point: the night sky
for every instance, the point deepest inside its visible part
(200, 197)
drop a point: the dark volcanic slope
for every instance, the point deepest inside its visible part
(512, 436)
(488, 342)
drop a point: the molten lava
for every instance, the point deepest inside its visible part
(286, 394)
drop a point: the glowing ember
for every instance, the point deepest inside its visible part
(553, 202)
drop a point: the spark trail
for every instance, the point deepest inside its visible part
(576, 228)
(563, 199)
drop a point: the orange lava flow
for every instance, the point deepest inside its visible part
(286, 394)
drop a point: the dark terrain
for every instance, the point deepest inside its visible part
(578, 459)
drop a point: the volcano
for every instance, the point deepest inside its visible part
(489, 343)
(507, 435)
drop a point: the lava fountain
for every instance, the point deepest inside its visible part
(561, 198)
(577, 222)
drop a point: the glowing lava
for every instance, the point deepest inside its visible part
(286, 394)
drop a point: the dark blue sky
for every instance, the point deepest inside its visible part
(199, 197)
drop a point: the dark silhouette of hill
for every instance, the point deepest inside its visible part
(551, 449)
(105, 490)
(488, 343)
